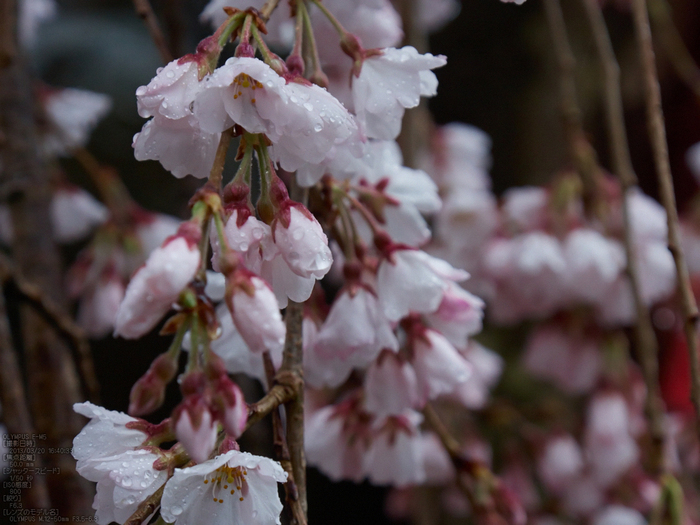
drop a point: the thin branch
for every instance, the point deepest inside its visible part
(478, 476)
(145, 12)
(282, 452)
(580, 151)
(59, 321)
(657, 135)
(16, 415)
(673, 46)
(645, 339)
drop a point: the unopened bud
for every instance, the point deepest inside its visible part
(195, 428)
(148, 393)
(231, 405)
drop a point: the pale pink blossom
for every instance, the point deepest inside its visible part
(434, 14)
(391, 386)
(388, 84)
(618, 515)
(355, 329)
(106, 451)
(156, 286)
(335, 438)
(610, 448)
(257, 317)
(527, 274)
(572, 362)
(461, 158)
(412, 280)
(395, 454)
(153, 228)
(31, 14)
(303, 121)
(232, 349)
(439, 366)
(561, 462)
(252, 239)
(97, 311)
(196, 430)
(459, 315)
(72, 115)
(525, 208)
(439, 469)
(181, 146)
(486, 366)
(593, 262)
(74, 214)
(171, 92)
(302, 243)
(235, 487)
(411, 192)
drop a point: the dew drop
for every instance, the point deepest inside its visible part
(318, 127)
(176, 510)
(170, 74)
(308, 106)
(298, 234)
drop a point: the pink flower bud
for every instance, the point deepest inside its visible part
(231, 403)
(195, 428)
(157, 285)
(302, 243)
(149, 391)
(256, 315)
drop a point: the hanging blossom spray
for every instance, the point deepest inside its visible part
(393, 336)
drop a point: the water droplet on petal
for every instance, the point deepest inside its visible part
(176, 510)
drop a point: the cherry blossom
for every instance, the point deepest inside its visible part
(235, 487)
(72, 115)
(156, 286)
(106, 451)
(257, 317)
(388, 84)
(302, 243)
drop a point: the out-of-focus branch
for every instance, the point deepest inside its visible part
(15, 410)
(146, 508)
(673, 46)
(145, 12)
(480, 482)
(60, 321)
(644, 337)
(657, 135)
(53, 384)
(580, 150)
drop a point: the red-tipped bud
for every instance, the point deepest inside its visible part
(195, 427)
(148, 393)
(227, 445)
(232, 408)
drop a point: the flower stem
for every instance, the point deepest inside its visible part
(644, 337)
(217, 170)
(331, 18)
(657, 135)
(145, 12)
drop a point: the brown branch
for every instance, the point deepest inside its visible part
(145, 12)
(282, 452)
(59, 321)
(657, 135)
(473, 478)
(268, 9)
(580, 151)
(645, 339)
(16, 414)
(673, 46)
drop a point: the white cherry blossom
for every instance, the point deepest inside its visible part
(389, 83)
(257, 317)
(235, 487)
(156, 286)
